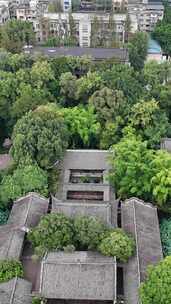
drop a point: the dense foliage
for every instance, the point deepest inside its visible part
(58, 232)
(117, 244)
(156, 288)
(162, 31)
(40, 136)
(54, 231)
(10, 269)
(14, 34)
(88, 232)
(138, 50)
(142, 172)
(165, 232)
(23, 180)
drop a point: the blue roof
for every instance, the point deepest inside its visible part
(154, 47)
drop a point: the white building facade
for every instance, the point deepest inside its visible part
(83, 21)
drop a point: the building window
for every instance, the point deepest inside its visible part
(85, 195)
(86, 176)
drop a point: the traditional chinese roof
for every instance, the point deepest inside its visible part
(15, 291)
(28, 210)
(141, 221)
(78, 275)
(11, 242)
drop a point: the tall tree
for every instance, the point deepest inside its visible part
(40, 136)
(72, 30)
(162, 30)
(138, 50)
(150, 122)
(14, 34)
(108, 104)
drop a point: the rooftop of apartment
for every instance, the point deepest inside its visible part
(98, 54)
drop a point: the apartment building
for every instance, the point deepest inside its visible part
(147, 14)
(59, 23)
(27, 10)
(4, 13)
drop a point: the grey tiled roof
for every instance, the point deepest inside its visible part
(28, 210)
(141, 221)
(11, 242)
(86, 159)
(102, 211)
(95, 53)
(15, 291)
(78, 275)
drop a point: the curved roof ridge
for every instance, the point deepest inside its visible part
(139, 201)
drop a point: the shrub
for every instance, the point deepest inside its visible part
(165, 231)
(118, 244)
(54, 232)
(24, 180)
(10, 269)
(3, 216)
(156, 288)
(88, 232)
(37, 300)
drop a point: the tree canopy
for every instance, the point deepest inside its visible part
(14, 34)
(40, 136)
(23, 180)
(156, 288)
(142, 172)
(138, 50)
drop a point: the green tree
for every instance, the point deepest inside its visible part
(142, 172)
(13, 62)
(72, 30)
(131, 167)
(111, 133)
(156, 288)
(10, 269)
(54, 232)
(95, 39)
(118, 244)
(14, 34)
(165, 233)
(68, 88)
(138, 50)
(156, 74)
(124, 78)
(29, 98)
(127, 27)
(108, 104)
(163, 96)
(87, 85)
(23, 180)
(83, 127)
(161, 180)
(162, 30)
(40, 135)
(150, 122)
(88, 232)
(8, 91)
(41, 73)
